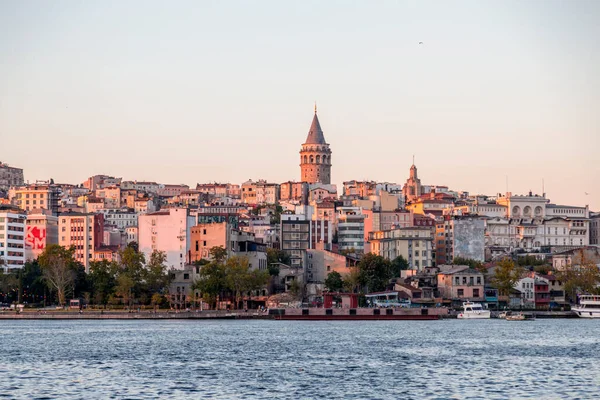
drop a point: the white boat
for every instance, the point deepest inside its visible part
(589, 306)
(516, 317)
(473, 311)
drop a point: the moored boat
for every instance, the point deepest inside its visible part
(589, 307)
(516, 317)
(473, 311)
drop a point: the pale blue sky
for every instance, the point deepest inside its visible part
(195, 91)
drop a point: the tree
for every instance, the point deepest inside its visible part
(156, 275)
(218, 253)
(507, 274)
(581, 276)
(237, 277)
(275, 256)
(102, 280)
(399, 264)
(32, 282)
(374, 272)
(334, 282)
(156, 300)
(59, 269)
(124, 288)
(130, 274)
(296, 289)
(9, 284)
(351, 282)
(210, 282)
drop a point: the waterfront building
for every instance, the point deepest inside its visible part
(84, 232)
(460, 283)
(12, 237)
(315, 155)
(415, 244)
(41, 231)
(169, 231)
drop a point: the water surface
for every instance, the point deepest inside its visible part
(227, 359)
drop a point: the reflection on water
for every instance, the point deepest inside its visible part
(296, 359)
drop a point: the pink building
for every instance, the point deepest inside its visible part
(461, 283)
(41, 230)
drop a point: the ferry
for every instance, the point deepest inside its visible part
(589, 306)
(473, 311)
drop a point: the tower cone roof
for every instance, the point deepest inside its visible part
(315, 134)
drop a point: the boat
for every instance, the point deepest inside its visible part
(515, 317)
(502, 315)
(473, 311)
(589, 306)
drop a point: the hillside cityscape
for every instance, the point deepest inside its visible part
(288, 243)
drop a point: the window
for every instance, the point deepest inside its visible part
(461, 292)
(475, 292)
(479, 280)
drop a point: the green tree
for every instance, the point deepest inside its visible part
(211, 282)
(102, 280)
(506, 276)
(237, 276)
(351, 282)
(9, 285)
(32, 282)
(275, 256)
(130, 274)
(59, 269)
(218, 253)
(334, 282)
(399, 264)
(375, 272)
(296, 289)
(156, 275)
(581, 276)
(124, 289)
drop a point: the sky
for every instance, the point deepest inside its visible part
(199, 91)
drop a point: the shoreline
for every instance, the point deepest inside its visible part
(316, 314)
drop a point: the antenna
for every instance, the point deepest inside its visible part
(543, 189)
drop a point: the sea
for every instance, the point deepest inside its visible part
(267, 359)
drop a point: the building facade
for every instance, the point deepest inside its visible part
(41, 231)
(82, 231)
(12, 238)
(415, 244)
(351, 229)
(167, 231)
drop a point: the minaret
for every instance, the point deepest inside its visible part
(315, 155)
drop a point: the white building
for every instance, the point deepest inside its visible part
(167, 231)
(120, 219)
(351, 229)
(12, 238)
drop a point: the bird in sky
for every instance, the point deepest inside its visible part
(586, 193)
(420, 42)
